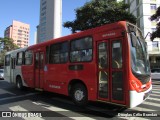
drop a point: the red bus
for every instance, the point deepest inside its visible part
(107, 63)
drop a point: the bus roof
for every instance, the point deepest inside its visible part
(84, 33)
(17, 50)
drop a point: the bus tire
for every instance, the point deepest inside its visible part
(79, 95)
(19, 84)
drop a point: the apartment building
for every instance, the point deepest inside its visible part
(50, 21)
(143, 9)
(19, 32)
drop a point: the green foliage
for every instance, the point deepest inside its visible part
(99, 12)
(156, 16)
(6, 44)
(2, 54)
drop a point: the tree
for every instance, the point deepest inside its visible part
(156, 16)
(98, 12)
(6, 44)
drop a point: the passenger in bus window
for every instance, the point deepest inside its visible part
(102, 62)
(86, 55)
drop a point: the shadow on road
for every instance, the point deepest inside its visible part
(10, 94)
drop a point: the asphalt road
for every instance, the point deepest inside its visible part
(54, 106)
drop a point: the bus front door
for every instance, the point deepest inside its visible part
(110, 71)
(39, 70)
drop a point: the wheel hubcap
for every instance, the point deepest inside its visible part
(79, 95)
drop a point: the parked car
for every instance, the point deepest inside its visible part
(155, 73)
(1, 74)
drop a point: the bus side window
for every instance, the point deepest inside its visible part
(28, 58)
(47, 54)
(7, 60)
(102, 56)
(13, 63)
(20, 57)
(37, 60)
(116, 54)
(81, 50)
(58, 53)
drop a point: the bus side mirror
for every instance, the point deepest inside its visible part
(134, 40)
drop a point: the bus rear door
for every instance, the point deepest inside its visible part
(110, 71)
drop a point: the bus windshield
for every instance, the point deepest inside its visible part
(139, 57)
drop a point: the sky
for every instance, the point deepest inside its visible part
(28, 11)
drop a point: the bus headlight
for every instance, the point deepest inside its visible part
(136, 85)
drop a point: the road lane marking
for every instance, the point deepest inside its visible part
(5, 91)
(21, 109)
(21, 96)
(151, 103)
(154, 95)
(52, 108)
(62, 111)
(156, 89)
(82, 118)
(155, 92)
(142, 109)
(151, 98)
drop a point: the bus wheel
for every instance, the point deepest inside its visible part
(79, 95)
(19, 84)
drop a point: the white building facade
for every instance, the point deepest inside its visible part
(50, 21)
(143, 9)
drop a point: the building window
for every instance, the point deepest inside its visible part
(158, 59)
(138, 23)
(137, 2)
(153, 23)
(19, 30)
(81, 50)
(44, 3)
(43, 13)
(153, 0)
(153, 8)
(153, 29)
(44, 8)
(43, 24)
(43, 18)
(43, 29)
(19, 34)
(19, 41)
(155, 46)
